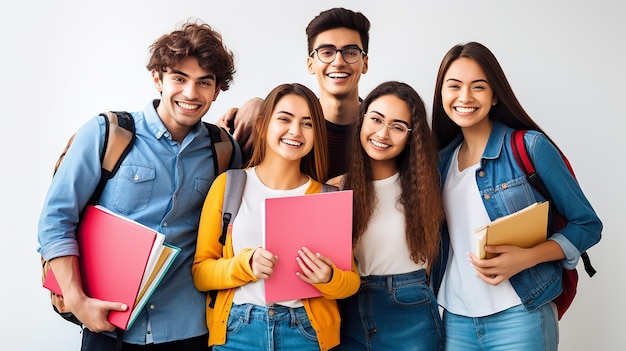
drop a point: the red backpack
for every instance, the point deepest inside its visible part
(570, 276)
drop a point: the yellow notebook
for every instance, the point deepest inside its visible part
(524, 228)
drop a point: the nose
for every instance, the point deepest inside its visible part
(336, 59)
(294, 129)
(190, 91)
(383, 132)
(465, 95)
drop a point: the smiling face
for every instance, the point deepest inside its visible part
(187, 92)
(290, 133)
(466, 94)
(337, 78)
(381, 148)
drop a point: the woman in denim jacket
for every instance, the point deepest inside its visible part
(505, 301)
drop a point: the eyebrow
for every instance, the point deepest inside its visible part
(209, 76)
(393, 120)
(291, 114)
(355, 46)
(472, 82)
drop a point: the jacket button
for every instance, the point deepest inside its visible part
(487, 196)
(505, 185)
(481, 174)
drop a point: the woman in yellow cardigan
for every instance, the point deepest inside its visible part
(290, 158)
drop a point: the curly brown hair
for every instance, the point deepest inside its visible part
(419, 179)
(198, 40)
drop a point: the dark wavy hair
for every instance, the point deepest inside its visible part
(338, 17)
(198, 40)
(315, 163)
(419, 179)
(508, 109)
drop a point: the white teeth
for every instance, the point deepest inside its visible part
(465, 109)
(188, 106)
(338, 75)
(291, 142)
(379, 144)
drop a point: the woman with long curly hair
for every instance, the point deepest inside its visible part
(397, 215)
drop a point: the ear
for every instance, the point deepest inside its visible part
(365, 64)
(158, 84)
(217, 91)
(494, 101)
(309, 65)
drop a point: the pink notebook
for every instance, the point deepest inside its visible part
(114, 254)
(321, 222)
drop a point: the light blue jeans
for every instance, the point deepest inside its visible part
(512, 329)
(277, 328)
(391, 312)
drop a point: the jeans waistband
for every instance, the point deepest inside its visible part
(270, 314)
(393, 280)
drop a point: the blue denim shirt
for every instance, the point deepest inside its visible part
(504, 189)
(161, 184)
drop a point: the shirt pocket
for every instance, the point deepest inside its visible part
(514, 194)
(133, 188)
(198, 195)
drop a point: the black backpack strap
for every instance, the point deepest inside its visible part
(525, 163)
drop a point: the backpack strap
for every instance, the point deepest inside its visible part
(226, 150)
(119, 137)
(328, 188)
(235, 184)
(525, 163)
(233, 193)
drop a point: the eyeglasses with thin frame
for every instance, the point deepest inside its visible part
(374, 123)
(327, 54)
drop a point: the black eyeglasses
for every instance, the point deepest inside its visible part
(327, 54)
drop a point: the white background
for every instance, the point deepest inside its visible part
(65, 61)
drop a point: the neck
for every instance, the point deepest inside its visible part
(340, 110)
(383, 169)
(474, 142)
(280, 175)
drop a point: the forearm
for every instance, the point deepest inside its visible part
(67, 273)
(547, 251)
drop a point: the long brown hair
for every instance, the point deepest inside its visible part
(419, 179)
(508, 110)
(315, 163)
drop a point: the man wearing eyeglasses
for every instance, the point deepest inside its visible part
(338, 41)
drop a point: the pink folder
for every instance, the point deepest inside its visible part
(321, 222)
(114, 253)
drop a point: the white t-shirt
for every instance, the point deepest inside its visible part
(462, 292)
(382, 249)
(248, 233)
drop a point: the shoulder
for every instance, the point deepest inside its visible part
(336, 181)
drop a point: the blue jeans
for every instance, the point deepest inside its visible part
(512, 329)
(391, 312)
(276, 328)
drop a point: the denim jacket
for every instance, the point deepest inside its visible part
(504, 189)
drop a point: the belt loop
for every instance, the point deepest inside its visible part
(293, 317)
(390, 283)
(248, 313)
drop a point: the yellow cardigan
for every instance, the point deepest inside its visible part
(216, 267)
